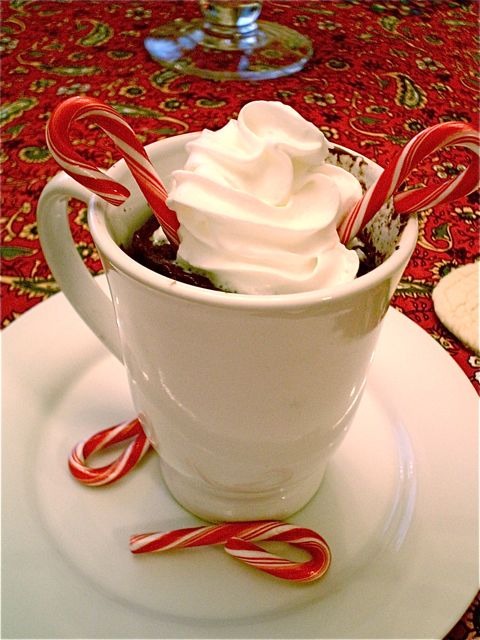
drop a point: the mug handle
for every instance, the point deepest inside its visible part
(91, 303)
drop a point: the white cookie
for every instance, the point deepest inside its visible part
(455, 299)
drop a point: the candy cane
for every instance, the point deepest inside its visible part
(238, 537)
(133, 453)
(442, 135)
(123, 136)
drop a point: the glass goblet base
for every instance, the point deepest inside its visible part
(268, 51)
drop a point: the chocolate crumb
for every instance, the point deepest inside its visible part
(161, 258)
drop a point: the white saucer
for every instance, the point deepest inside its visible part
(398, 507)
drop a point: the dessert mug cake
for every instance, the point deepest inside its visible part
(259, 202)
(244, 389)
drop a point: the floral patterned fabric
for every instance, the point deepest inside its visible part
(381, 71)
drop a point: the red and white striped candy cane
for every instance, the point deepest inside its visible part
(124, 138)
(238, 537)
(133, 453)
(446, 134)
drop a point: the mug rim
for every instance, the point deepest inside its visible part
(118, 258)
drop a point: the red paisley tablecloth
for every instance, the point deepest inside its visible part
(381, 71)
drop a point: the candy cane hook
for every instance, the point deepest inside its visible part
(124, 138)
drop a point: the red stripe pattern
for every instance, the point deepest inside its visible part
(238, 540)
(125, 140)
(132, 454)
(447, 134)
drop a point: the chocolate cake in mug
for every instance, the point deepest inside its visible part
(245, 391)
(275, 226)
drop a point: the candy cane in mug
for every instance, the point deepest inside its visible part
(124, 138)
(425, 143)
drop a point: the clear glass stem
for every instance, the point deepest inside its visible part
(231, 24)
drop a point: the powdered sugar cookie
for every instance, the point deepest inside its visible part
(455, 299)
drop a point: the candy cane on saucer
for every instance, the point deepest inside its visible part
(425, 143)
(238, 537)
(133, 453)
(124, 138)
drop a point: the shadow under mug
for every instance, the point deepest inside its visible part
(244, 397)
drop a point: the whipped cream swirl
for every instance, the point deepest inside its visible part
(258, 206)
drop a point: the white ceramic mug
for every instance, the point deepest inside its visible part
(244, 397)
